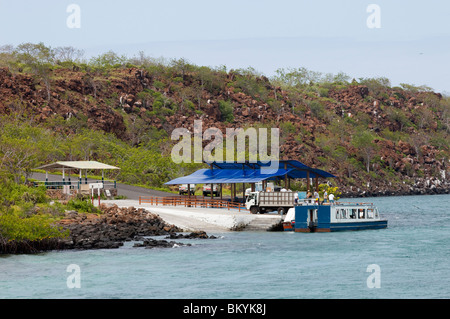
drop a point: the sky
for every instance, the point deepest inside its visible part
(407, 41)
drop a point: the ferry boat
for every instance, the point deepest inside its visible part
(310, 216)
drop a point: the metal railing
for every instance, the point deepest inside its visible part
(312, 201)
(73, 184)
(191, 202)
(352, 204)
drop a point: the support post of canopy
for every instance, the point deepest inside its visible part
(212, 185)
(189, 195)
(307, 181)
(232, 191)
(317, 183)
(285, 177)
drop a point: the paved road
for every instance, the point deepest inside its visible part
(131, 192)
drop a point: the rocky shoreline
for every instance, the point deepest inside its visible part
(116, 225)
(108, 230)
(432, 188)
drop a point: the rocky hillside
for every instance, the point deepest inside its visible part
(377, 139)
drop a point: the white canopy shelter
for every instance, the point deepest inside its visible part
(80, 165)
(77, 165)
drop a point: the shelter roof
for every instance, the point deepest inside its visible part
(226, 176)
(227, 173)
(77, 165)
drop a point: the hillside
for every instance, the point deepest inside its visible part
(378, 139)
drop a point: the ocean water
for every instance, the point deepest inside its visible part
(411, 256)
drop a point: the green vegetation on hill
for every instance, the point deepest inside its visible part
(25, 146)
(121, 110)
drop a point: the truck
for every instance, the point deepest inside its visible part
(207, 190)
(263, 202)
(183, 189)
(258, 188)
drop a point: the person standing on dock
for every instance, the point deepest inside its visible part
(331, 198)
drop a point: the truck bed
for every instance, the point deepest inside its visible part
(276, 199)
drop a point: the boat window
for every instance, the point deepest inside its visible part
(376, 213)
(370, 213)
(353, 214)
(362, 213)
(338, 215)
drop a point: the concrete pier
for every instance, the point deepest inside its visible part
(206, 219)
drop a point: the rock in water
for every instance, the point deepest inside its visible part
(111, 228)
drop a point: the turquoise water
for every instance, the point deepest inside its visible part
(412, 254)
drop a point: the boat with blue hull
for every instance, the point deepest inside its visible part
(308, 216)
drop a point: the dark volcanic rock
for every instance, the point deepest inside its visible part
(153, 243)
(193, 235)
(112, 228)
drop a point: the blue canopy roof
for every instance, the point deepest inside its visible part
(226, 176)
(228, 173)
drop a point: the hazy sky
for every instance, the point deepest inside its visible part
(411, 45)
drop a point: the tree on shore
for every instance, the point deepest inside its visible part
(19, 151)
(364, 142)
(37, 58)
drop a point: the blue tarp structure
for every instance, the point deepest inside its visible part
(229, 173)
(226, 176)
